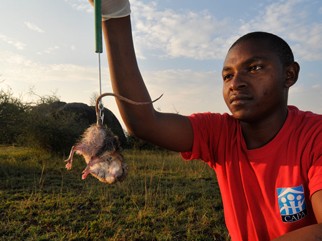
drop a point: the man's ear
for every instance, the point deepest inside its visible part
(292, 74)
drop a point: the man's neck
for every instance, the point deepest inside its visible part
(260, 133)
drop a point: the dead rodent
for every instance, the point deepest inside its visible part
(101, 148)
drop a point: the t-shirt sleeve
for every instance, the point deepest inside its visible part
(315, 171)
(206, 130)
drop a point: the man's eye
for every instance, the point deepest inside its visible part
(255, 68)
(227, 77)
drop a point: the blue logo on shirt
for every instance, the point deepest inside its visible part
(291, 202)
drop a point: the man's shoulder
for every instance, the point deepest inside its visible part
(211, 118)
(306, 123)
(304, 115)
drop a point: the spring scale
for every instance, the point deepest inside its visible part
(99, 50)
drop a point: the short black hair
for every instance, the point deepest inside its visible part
(279, 45)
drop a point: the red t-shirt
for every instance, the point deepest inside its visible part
(265, 191)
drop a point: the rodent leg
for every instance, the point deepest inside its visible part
(69, 160)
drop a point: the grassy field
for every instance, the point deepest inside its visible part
(163, 198)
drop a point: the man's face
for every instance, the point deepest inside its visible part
(253, 77)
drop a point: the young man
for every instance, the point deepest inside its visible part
(267, 155)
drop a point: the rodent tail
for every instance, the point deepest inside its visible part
(120, 97)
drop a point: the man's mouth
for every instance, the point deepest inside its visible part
(239, 99)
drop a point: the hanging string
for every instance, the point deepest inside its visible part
(99, 73)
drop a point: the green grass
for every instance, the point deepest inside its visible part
(162, 198)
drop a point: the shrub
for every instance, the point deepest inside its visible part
(12, 117)
(52, 130)
(136, 143)
(46, 125)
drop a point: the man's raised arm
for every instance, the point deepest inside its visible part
(171, 131)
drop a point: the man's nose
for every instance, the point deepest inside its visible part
(237, 82)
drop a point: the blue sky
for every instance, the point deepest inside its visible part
(48, 46)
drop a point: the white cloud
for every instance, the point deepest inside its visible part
(186, 91)
(18, 67)
(33, 27)
(199, 35)
(178, 34)
(49, 50)
(75, 81)
(80, 5)
(17, 44)
(306, 97)
(304, 36)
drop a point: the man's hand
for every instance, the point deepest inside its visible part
(114, 8)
